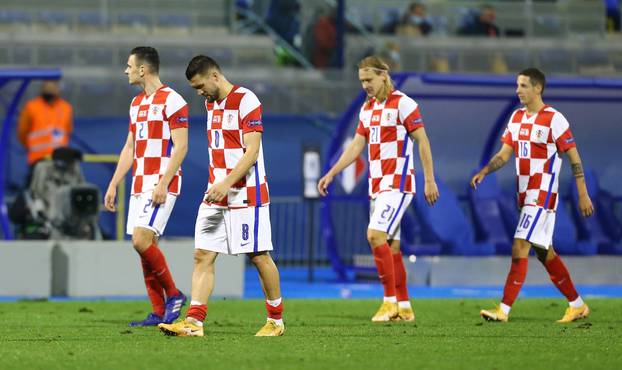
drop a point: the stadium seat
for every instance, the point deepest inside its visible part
(91, 20)
(488, 216)
(565, 235)
(414, 240)
(592, 228)
(448, 223)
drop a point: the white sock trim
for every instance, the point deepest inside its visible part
(278, 322)
(274, 302)
(195, 303)
(577, 303)
(392, 299)
(404, 304)
(505, 308)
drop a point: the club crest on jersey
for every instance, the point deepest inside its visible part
(388, 116)
(229, 118)
(539, 134)
(155, 110)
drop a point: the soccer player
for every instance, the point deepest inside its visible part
(234, 215)
(389, 121)
(156, 145)
(537, 135)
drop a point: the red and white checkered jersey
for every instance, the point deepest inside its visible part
(227, 121)
(537, 141)
(151, 120)
(386, 126)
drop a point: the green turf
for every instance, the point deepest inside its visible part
(321, 334)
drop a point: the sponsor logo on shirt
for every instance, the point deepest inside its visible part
(375, 118)
(254, 122)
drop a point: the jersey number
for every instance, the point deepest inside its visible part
(216, 139)
(374, 136)
(523, 149)
(525, 221)
(141, 130)
(244, 232)
(147, 205)
(387, 213)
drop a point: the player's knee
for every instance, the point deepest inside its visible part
(259, 258)
(203, 258)
(376, 238)
(520, 248)
(142, 240)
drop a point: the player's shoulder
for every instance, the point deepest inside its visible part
(171, 94)
(401, 98)
(246, 93)
(138, 98)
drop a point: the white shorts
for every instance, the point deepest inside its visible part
(536, 225)
(143, 214)
(386, 212)
(233, 231)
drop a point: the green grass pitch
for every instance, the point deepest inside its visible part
(320, 334)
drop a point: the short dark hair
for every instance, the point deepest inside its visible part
(147, 55)
(199, 65)
(536, 77)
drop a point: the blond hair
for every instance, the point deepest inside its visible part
(379, 67)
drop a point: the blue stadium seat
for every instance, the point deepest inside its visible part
(592, 228)
(448, 223)
(54, 18)
(414, 240)
(15, 17)
(565, 235)
(92, 18)
(488, 216)
(174, 20)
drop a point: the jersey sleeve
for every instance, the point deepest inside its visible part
(131, 128)
(176, 111)
(360, 128)
(409, 114)
(250, 113)
(506, 138)
(561, 133)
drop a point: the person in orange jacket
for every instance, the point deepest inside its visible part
(46, 122)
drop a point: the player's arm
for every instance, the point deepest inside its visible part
(425, 154)
(585, 203)
(349, 155)
(180, 145)
(126, 159)
(23, 127)
(218, 191)
(498, 161)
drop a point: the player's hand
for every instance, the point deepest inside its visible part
(109, 199)
(159, 194)
(431, 192)
(477, 179)
(217, 192)
(322, 185)
(585, 205)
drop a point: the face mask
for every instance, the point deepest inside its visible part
(49, 98)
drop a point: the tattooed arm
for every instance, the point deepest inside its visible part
(585, 203)
(498, 161)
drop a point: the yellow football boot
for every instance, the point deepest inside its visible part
(271, 329)
(386, 312)
(573, 314)
(495, 314)
(184, 328)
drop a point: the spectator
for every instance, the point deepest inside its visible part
(613, 15)
(415, 21)
(324, 40)
(283, 18)
(45, 123)
(482, 25)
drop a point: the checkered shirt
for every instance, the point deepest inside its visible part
(537, 141)
(228, 120)
(151, 120)
(386, 126)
